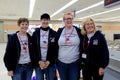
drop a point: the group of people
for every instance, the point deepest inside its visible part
(70, 49)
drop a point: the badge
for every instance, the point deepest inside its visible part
(24, 48)
(45, 43)
(25, 43)
(95, 42)
(84, 55)
(53, 40)
(67, 39)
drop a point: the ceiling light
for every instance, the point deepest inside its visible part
(31, 7)
(101, 13)
(92, 6)
(64, 7)
(87, 8)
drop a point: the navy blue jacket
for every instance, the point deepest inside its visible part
(13, 49)
(52, 47)
(97, 51)
(79, 35)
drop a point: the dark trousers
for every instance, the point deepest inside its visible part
(91, 73)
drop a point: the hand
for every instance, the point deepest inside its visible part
(47, 64)
(10, 73)
(101, 71)
(42, 64)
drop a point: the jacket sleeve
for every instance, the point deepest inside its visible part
(105, 52)
(53, 50)
(8, 56)
(81, 47)
(35, 49)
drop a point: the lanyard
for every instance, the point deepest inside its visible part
(88, 44)
(67, 37)
(43, 34)
(24, 44)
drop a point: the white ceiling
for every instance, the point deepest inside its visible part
(13, 9)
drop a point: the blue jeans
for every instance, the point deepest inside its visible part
(23, 72)
(48, 72)
(69, 71)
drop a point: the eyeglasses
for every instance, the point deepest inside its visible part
(68, 18)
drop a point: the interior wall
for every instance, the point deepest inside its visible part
(108, 28)
(109, 31)
(1, 32)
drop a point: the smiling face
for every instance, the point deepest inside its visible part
(89, 27)
(45, 22)
(23, 26)
(68, 19)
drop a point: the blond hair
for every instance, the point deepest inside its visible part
(67, 13)
(83, 31)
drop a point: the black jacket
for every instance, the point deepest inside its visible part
(97, 51)
(13, 49)
(79, 35)
(52, 47)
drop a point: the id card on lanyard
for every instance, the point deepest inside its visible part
(44, 37)
(67, 38)
(23, 43)
(84, 55)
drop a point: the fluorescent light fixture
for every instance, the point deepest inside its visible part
(87, 8)
(31, 7)
(101, 13)
(92, 6)
(64, 7)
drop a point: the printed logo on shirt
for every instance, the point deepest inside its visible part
(52, 39)
(44, 43)
(95, 42)
(73, 35)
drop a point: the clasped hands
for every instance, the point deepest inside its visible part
(43, 64)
